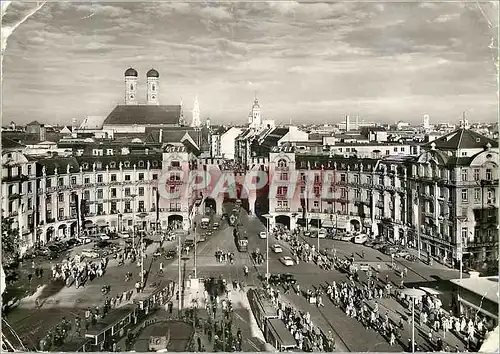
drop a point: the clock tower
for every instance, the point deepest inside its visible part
(131, 86)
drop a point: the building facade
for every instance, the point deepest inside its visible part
(441, 201)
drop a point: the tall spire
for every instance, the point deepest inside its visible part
(196, 114)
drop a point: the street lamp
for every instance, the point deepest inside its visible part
(142, 216)
(413, 294)
(133, 219)
(267, 216)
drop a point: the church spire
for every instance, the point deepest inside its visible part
(196, 114)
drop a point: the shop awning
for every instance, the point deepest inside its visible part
(327, 223)
(101, 223)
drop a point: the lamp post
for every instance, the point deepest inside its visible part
(413, 294)
(118, 225)
(142, 216)
(133, 219)
(267, 216)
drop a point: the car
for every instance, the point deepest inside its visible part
(401, 254)
(208, 233)
(90, 254)
(170, 254)
(288, 278)
(102, 244)
(322, 233)
(364, 267)
(288, 261)
(202, 238)
(124, 235)
(307, 233)
(263, 235)
(215, 226)
(104, 237)
(277, 249)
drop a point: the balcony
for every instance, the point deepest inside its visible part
(16, 178)
(489, 182)
(50, 220)
(428, 214)
(428, 196)
(390, 188)
(379, 186)
(174, 168)
(281, 168)
(281, 196)
(379, 204)
(282, 209)
(174, 182)
(174, 209)
(386, 220)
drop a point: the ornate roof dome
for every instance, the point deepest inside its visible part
(153, 73)
(131, 72)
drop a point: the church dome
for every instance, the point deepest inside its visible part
(131, 72)
(153, 73)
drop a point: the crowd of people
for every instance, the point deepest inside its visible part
(222, 256)
(76, 270)
(359, 299)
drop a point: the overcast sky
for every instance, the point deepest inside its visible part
(307, 62)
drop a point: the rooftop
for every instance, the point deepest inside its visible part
(461, 139)
(144, 115)
(486, 287)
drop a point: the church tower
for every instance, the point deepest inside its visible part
(153, 82)
(196, 114)
(256, 118)
(131, 86)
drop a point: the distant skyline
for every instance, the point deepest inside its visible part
(307, 62)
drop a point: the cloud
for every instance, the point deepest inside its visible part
(314, 60)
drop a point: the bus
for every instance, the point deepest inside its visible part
(204, 223)
(241, 241)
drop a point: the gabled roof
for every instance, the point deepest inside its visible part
(34, 123)
(461, 139)
(144, 115)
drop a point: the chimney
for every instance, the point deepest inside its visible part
(346, 123)
(160, 139)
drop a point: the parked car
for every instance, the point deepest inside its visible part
(401, 254)
(90, 254)
(124, 235)
(170, 254)
(102, 244)
(364, 267)
(288, 261)
(322, 233)
(215, 226)
(202, 238)
(277, 248)
(263, 235)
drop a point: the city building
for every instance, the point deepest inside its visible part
(442, 201)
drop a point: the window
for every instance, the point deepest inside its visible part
(316, 204)
(343, 193)
(48, 183)
(155, 164)
(387, 152)
(381, 180)
(141, 191)
(284, 176)
(316, 190)
(60, 181)
(99, 178)
(368, 195)
(175, 164)
(316, 178)
(369, 179)
(127, 206)
(153, 87)
(356, 179)
(343, 177)
(60, 213)
(98, 165)
(99, 194)
(357, 194)
(282, 163)
(302, 189)
(112, 164)
(395, 149)
(126, 164)
(127, 177)
(29, 169)
(464, 175)
(113, 206)
(85, 166)
(141, 205)
(127, 192)
(30, 187)
(477, 194)
(73, 180)
(488, 174)
(155, 176)
(60, 197)
(464, 235)
(476, 174)
(464, 195)
(87, 180)
(86, 195)
(140, 164)
(30, 203)
(343, 207)
(282, 190)
(113, 192)
(141, 176)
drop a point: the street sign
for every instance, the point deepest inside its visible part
(459, 252)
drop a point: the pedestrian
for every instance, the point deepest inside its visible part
(392, 339)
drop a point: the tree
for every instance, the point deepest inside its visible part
(10, 243)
